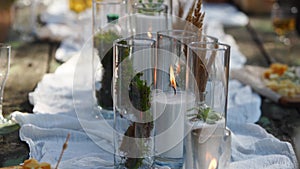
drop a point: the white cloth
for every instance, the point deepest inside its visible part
(251, 146)
(224, 13)
(243, 104)
(66, 26)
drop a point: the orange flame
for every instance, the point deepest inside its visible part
(149, 34)
(172, 79)
(213, 164)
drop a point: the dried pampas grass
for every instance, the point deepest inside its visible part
(196, 16)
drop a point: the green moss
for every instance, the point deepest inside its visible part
(206, 114)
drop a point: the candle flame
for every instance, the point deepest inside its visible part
(149, 34)
(172, 79)
(213, 164)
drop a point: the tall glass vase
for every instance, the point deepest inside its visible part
(170, 97)
(207, 77)
(133, 122)
(107, 27)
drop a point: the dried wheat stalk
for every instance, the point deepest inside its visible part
(196, 17)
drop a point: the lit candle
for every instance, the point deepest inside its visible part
(170, 109)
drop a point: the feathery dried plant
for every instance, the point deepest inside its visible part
(196, 17)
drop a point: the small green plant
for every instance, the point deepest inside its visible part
(151, 7)
(140, 98)
(205, 114)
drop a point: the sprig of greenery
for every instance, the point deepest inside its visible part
(139, 93)
(150, 7)
(139, 96)
(206, 114)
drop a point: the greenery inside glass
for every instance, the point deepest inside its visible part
(133, 122)
(107, 27)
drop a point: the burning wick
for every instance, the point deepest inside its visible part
(213, 164)
(172, 79)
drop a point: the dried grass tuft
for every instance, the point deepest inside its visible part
(196, 17)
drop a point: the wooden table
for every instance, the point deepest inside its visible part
(30, 61)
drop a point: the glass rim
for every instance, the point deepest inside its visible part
(209, 46)
(182, 37)
(116, 42)
(166, 33)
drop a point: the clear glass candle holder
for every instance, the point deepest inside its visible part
(107, 27)
(134, 120)
(170, 102)
(207, 77)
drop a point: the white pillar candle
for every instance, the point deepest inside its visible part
(169, 111)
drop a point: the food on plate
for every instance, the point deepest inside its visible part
(282, 79)
(34, 164)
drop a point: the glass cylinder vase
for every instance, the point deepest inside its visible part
(170, 95)
(133, 122)
(107, 27)
(207, 77)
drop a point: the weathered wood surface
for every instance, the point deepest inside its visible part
(29, 63)
(260, 45)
